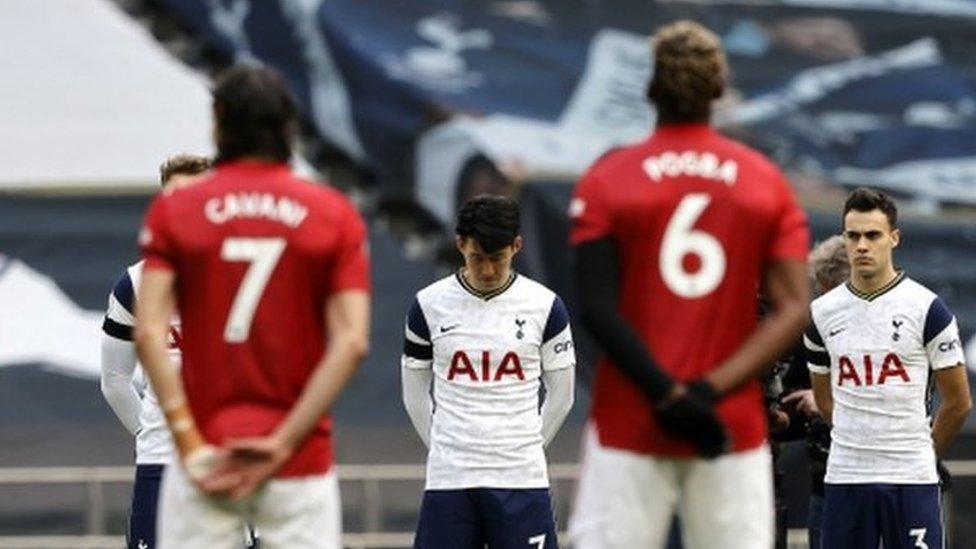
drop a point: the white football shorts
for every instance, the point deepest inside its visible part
(625, 499)
(293, 513)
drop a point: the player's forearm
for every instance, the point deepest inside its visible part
(331, 376)
(417, 401)
(948, 422)
(118, 365)
(822, 396)
(597, 285)
(560, 394)
(787, 290)
(775, 335)
(956, 403)
(151, 344)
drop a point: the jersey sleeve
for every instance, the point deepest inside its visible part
(350, 267)
(941, 337)
(791, 239)
(589, 213)
(120, 313)
(557, 339)
(818, 360)
(155, 238)
(418, 351)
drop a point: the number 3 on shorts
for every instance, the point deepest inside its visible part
(681, 239)
(262, 254)
(919, 535)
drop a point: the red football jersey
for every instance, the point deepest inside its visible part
(696, 218)
(256, 252)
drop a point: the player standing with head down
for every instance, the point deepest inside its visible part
(270, 276)
(483, 339)
(874, 346)
(673, 237)
(127, 392)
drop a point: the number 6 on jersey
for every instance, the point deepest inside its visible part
(681, 239)
(263, 255)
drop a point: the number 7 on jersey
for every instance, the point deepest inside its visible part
(263, 255)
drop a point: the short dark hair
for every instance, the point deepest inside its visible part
(254, 114)
(183, 164)
(690, 71)
(493, 221)
(864, 199)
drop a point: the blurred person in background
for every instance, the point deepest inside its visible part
(874, 348)
(270, 275)
(672, 237)
(794, 414)
(124, 385)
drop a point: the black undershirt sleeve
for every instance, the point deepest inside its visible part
(597, 282)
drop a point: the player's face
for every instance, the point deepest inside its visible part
(178, 180)
(870, 241)
(487, 271)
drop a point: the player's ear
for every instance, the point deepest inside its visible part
(459, 242)
(895, 237)
(517, 244)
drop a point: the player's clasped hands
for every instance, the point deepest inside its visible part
(688, 412)
(238, 468)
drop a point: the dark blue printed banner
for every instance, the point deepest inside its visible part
(856, 91)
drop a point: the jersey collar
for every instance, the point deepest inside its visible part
(871, 296)
(250, 165)
(485, 295)
(685, 128)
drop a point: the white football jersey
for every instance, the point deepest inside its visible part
(487, 352)
(153, 440)
(879, 350)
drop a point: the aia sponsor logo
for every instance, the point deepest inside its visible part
(868, 373)
(463, 366)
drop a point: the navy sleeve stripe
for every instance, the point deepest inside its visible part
(416, 321)
(936, 320)
(417, 351)
(818, 358)
(116, 330)
(557, 322)
(123, 292)
(814, 335)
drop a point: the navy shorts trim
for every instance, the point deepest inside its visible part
(474, 517)
(899, 515)
(145, 501)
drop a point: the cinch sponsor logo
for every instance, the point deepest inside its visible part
(947, 346)
(891, 367)
(562, 347)
(691, 164)
(461, 365)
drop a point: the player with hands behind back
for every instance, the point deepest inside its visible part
(673, 235)
(271, 276)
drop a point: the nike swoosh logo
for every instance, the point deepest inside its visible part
(445, 329)
(832, 333)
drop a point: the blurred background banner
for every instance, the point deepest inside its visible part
(849, 92)
(91, 101)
